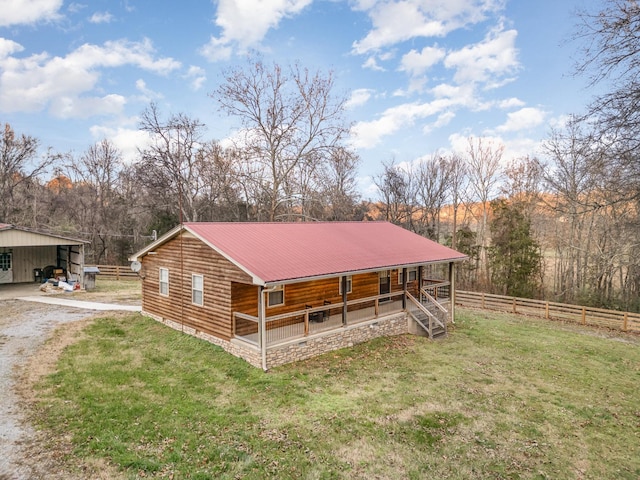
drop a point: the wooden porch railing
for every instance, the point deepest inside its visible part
(302, 323)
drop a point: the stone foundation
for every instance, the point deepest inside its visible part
(302, 348)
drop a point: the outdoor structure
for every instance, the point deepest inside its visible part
(274, 293)
(31, 256)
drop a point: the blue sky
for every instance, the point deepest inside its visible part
(421, 75)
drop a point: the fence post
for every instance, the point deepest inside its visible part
(483, 300)
(546, 310)
(626, 319)
(118, 272)
(514, 305)
(584, 316)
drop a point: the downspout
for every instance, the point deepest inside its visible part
(404, 289)
(452, 286)
(81, 272)
(262, 330)
(343, 280)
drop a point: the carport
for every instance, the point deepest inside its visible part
(28, 255)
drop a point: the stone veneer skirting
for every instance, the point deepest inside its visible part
(302, 348)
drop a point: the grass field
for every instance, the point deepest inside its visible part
(501, 397)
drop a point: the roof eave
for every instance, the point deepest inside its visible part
(271, 283)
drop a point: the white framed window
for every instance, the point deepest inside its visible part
(349, 285)
(276, 296)
(197, 289)
(412, 274)
(164, 281)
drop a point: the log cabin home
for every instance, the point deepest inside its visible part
(274, 293)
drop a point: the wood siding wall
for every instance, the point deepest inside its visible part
(297, 296)
(214, 317)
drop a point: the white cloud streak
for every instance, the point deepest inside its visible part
(523, 119)
(495, 56)
(101, 17)
(68, 85)
(28, 12)
(398, 21)
(244, 24)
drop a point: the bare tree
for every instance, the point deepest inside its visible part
(459, 183)
(19, 169)
(397, 192)
(483, 162)
(433, 185)
(573, 179)
(610, 52)
(171, 167)
(98, 205)
(340, 184)
(291, 122)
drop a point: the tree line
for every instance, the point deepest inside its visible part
(562, 227)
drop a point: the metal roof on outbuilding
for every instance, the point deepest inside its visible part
(13, 236)
(280, 252)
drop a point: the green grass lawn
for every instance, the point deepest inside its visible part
(501, 397)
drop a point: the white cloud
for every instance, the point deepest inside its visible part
(101, 17)
(513, 148)
(444, 119)
(486, 61)
(76, 7)
(369, 134)
(372, 64)
(523, 119)
(17, 12)
(85, 107)
(359, 97)
(68, 85)
(127, 140)
(416, 63)
(8, 47)
(399, 21)
(197, 76)
(147, 94)
(244, 24)
(511, 103)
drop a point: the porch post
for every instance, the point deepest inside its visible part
(404, 288)
(262, 330)
(343, 281)
(420, 285)
(452, 294)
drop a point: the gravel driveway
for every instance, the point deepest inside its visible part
(24, 327)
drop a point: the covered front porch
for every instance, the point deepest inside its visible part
(427, 306)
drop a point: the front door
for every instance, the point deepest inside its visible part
(6, 270)
(384, 283)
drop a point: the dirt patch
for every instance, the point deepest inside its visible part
(25, 452)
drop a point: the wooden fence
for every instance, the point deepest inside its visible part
(597, 317)
(119, 272)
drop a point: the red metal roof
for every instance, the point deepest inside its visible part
(277, 252)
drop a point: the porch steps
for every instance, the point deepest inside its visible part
(436, 332)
